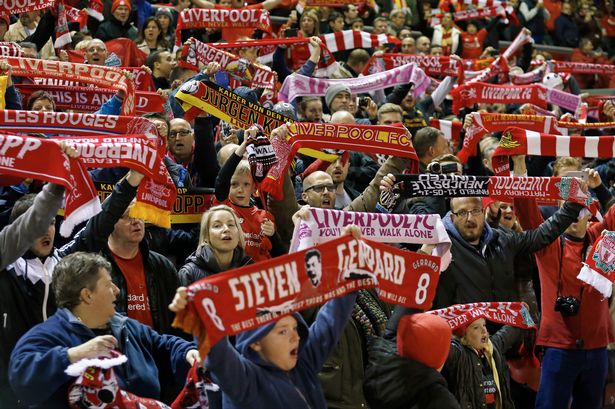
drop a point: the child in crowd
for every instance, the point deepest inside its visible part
(276, 365)
(235, 187)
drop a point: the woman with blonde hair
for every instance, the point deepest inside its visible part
(221, 246)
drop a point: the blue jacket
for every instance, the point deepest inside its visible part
(36, 370)
(247, 381)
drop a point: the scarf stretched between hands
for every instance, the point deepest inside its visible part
(324, 224)
(490, 11)
(155, 196)
(218, 101)
(299, 85)
(497, 187)
(599, 268)
(253, 295)
(221, 17)
(472, 93)
(514, 314)
(431, 65)
(484, 123)
(384, 139)
(517, 141)
(88, 99)
(11, 50)
(582, 68)
(252, 75)
(104, 77)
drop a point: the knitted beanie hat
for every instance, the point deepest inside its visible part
(117, 3)
(332, 91)
(261, 156)
(425, 338)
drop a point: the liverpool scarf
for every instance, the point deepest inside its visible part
(431, 65)
(88, 99)
(514, 314)
(599, 268)
(10, 50)
(253, 295)
(496, 187)
(388, 140)
(517, 141)
(324, 224)
(582, 68)
(104, 77)
(299, 85)
(474, 92)
(484, 12)
(221, 17)
(240, 69)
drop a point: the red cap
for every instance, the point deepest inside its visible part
(425, 338)
(6, 19)
(117, 3)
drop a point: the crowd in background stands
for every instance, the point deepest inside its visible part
(501, 251)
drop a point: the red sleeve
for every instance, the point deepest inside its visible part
(482, 34)
(607, 223)
(528, 213)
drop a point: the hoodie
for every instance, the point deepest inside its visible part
(249, 382)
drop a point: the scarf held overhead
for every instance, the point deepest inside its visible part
(299, 85)
(253, 295)
(324, 224)
(431, 65)
(388, 140)
(599, 268)
(104, 77)
(252, 75)
(514, 314)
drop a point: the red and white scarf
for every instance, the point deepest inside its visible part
(253, 75)
(88, 99)
(480, 13)
(100, 76)
(450, 129)
(221, 17)
(324, 224)
(253, 295)
(11, 50)
(431, 65)
(299, 85)
(582, 67)
(514, 314)
(384, 139)
(599, 268)
(517, 141)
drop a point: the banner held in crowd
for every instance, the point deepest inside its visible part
(599, 267)
(324, 224)
(104, 77)
(245, 298)
(515, 314)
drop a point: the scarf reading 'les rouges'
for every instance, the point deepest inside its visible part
(156, 195)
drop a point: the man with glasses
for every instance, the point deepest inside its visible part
(181, 142)
(96, 52)
(482, 268)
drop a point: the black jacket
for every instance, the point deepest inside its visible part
(160, 274)
(395, 382)
(464, 374)
(111, 29)
(488, 274)
(202, 263)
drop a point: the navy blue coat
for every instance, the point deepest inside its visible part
(36, 370)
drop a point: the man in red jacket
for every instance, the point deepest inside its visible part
(575, 360)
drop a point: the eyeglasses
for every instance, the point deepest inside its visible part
(182, 132)
(321, 188)
(93, 49)
(464, 213)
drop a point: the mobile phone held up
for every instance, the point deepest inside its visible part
(290, 32)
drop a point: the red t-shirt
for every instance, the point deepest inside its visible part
(473, 44)
(136, 288)
(258, 245)
(231, 34)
